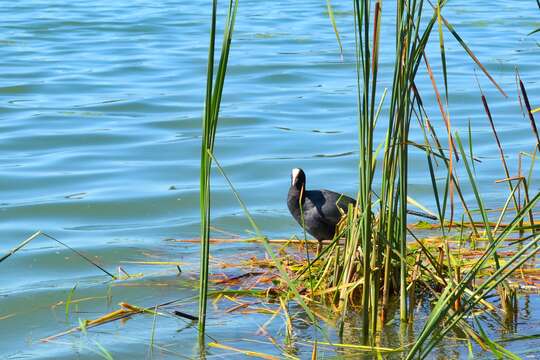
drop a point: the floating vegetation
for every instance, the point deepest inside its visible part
(254, 285)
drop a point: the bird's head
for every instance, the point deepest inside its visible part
(298, 179)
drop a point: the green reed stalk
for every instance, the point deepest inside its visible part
(410, 44)
(330, 10)
(382, 240)
(214, 91)
(362, 14)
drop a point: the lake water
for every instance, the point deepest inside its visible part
(101, 107)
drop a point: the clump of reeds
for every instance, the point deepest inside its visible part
(374, 254)
(370, 260)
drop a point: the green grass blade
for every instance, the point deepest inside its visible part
(330, 9)
(495, 348)
(68, 301)
(472, 56)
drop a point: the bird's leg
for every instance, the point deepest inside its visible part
(319, 247)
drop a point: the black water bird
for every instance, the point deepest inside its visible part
(320, 210)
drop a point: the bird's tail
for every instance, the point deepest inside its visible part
(422, 214)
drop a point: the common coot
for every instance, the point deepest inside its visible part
(322, 209)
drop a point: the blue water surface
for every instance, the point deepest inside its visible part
(100, 122)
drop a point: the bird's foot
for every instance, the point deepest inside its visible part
(319, 248)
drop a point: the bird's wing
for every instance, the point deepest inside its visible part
(335, 205)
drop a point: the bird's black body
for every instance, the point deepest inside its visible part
(321, 209)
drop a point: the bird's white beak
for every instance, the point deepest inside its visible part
(294, 174)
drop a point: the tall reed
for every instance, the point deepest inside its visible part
(382, 239)
(214, 91)
(372, 266)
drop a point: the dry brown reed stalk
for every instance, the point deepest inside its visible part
(529, 112)
(126, 310)
(248, 353)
